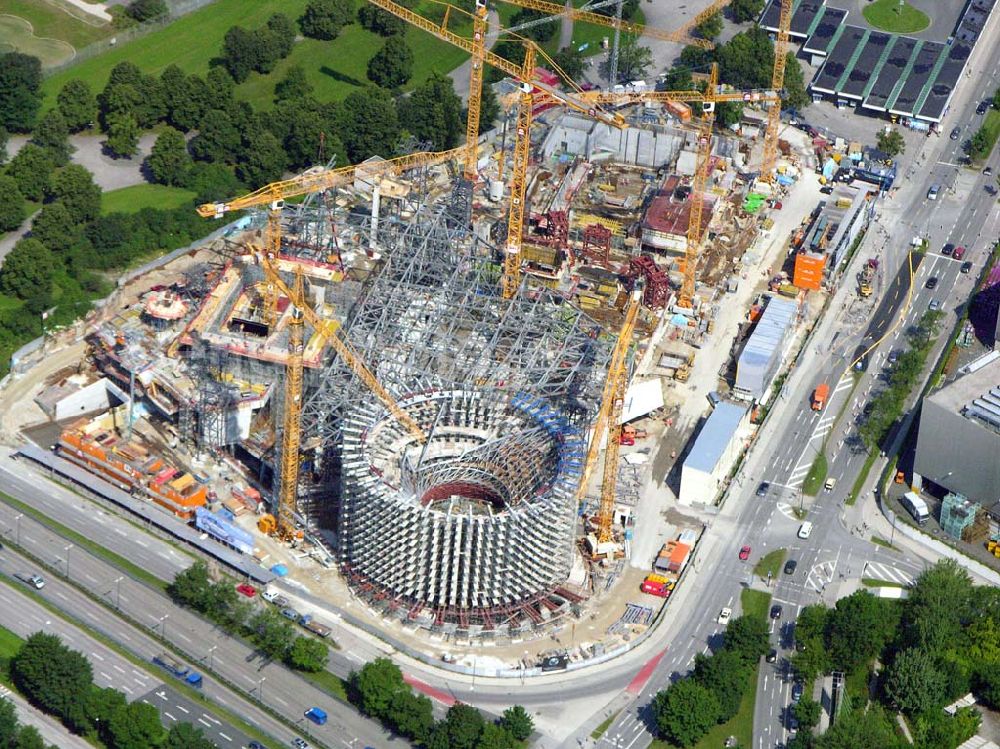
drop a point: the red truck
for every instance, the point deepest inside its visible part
(820, 394)
(657, 585)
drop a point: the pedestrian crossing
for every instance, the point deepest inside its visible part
(815, 442)
(886, 573)
(820, 575)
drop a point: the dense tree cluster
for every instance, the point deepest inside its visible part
(59, 681)
(743, 11)
(378, 690)
(686, 710)
(141, 11)
(274, 636)
(323, 19)
(937, 645)
(392, 65)
(20, 98)
(258, 50)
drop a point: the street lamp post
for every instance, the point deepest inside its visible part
(163, 626)
(260, 689)
(211, 656)
(67, 549)
(17, 528)
(118, 591)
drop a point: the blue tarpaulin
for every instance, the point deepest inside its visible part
(280, 570)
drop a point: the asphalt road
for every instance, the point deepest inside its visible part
(283, 691)
(174, 707)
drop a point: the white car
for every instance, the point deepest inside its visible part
(725, 615)
(805, 530)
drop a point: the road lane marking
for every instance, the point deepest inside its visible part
(169, 715)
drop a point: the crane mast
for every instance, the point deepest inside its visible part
(475, 91)
(518, 185)
(292, 420)
(777, 81)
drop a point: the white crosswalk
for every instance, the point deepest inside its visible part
(887, 573)
(820, 575)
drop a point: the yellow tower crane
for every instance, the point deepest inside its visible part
(608, 424)
(777, 81)
(479, 29)
(292, 421)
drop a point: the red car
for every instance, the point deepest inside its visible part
(744, 553)
(959, 253)
(246, 589)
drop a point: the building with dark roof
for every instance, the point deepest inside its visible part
(912, 79)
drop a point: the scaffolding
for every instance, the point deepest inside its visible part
(958, 514)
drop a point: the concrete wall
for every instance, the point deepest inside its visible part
(958, 454)
(94, 397)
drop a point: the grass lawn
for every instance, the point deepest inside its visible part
(604, 725)
(870, 582)
(16, 35)
(51, 23)
(770, 563)
(752, 603)
(10, 643)
(134, 199)
(816, 477)
(191, 42)
(991, 126)
(861, 479)
(889, 16)
(134, 570)
(328, 682)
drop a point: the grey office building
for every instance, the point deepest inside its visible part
(958, 443)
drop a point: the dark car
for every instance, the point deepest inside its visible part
(776, 611)
(948, 249)
(763, 489)
(255, 745)
(988, 171)
(955, 132)
(290, 613)
(932, 282)
(790, 566)
(966, 266)
(797, 690)
(772, 656)
(983, 106)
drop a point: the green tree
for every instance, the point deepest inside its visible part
(51, 675)
(914, 683)
(186, 736)
(368, 124)
(241, 52)
(938, 730)
(518, 722)
(192, 587)
(8, 724)
(725, 674)
(858, 628)
(294, 85)
(75, 187)
(218, 139)
(542, 32)
(728, 113)
(308, 133)
(465, 724)
(711, 27)
(571, 64)
(77, 103)
(375, 684)
(634, 60)
(136, 726)
(188, 111)
(263, 159)
(379, 21)
(273, 634)
(412, 715)
(685, 711)
(282, 31)
(748, 637)
(391, 66)
(981, 144)
(169, 160)
(28, 737)
(891, 141)
(629, 9)
(796, 96)
(323, 19)
(510, 50)
(123, 135)
(747, 60)
(12, 209)
(862, 729)
(678, 78)
(146, 10)
(20, 99)
(308, 654)
(101, 704)
(213, 183)
(434, 112)
(939, 607)
(494, 737)
(807, 712)
(52, 134)
(746, 10)
(32, 168)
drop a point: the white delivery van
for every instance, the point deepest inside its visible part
(805, 530)
(916, 507)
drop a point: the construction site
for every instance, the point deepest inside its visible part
(440, 380)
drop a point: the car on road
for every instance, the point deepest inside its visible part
(790, 566)
(956, 132)
(793, 724)
(934, 305)
(776, 611)
(932, 282)
(948, 249)
(299, 743)
(744, 553)
(725, 615)
(254, 745)
(959, 253)
(245, 589)
(988, 171)
(984, 105)
(933, 192)
(290, 613)
(805, 530)
(830, 485)
(966, 266)
(772, 656)
(797, 690)
(35, 581)
(763, 489)
(316, 715)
